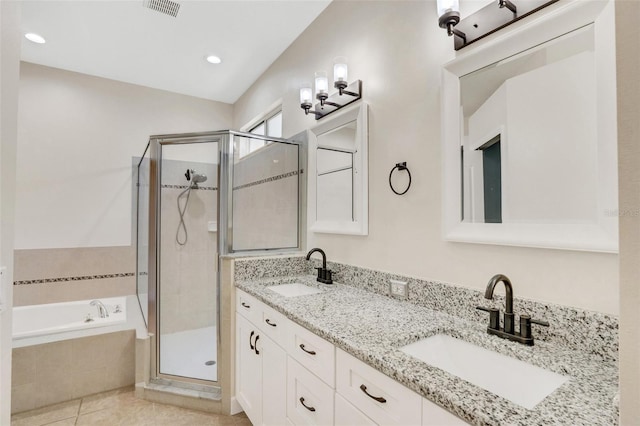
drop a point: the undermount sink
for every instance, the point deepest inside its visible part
(293, 290)
(519, 382)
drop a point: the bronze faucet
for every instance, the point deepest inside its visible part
(508, 332)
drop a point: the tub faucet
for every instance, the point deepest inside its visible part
(102, 310)
(324, 274)
(508, 332)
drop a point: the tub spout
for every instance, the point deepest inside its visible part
(102, 310)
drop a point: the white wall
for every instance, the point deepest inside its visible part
(76, 136)
(552, 166)
(397, 50)
(533, 110)
(628, 63)
(9, 75)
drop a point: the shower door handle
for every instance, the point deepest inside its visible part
(251, 337)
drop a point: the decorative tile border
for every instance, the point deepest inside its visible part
(579, 329)
(269, 179)
(80, 278)
(199, 188)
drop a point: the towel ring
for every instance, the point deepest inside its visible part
(400, 166)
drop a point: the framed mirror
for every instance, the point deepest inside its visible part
(338, 173)
(529, 135)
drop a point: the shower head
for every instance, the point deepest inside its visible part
(198, 178)
(194, 177)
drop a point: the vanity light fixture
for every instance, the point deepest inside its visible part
(485, 21)
(347, 93)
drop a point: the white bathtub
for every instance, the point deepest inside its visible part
(51, 322)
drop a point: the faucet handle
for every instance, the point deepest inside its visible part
(494, 316)
(525, 325)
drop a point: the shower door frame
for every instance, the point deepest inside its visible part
(225, 140)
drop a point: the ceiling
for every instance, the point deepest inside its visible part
(125, 41)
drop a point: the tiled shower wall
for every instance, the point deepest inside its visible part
(265, 198)
(188, 272)
(66, 274)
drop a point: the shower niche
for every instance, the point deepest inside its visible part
(200, 196)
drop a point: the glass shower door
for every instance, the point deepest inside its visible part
(187, 271)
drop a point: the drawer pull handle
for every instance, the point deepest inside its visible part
(305, 405)
(244, 305)
(380, 399)
(270, 323)
(307, 351)
(251, 337)
(256, 343)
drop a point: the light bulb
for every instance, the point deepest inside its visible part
(35, 38)
(340, 69)
(306, 94)
(445, 6)
(213, 59)
(322, 83)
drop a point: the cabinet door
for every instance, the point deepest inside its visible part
(274, 381)
(309, 399)
(348, 415)
(248, 370)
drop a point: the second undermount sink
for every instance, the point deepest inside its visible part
(519, 382)
(294, 289)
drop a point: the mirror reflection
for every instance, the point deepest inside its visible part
(335, 173)
(529, 148)
(338, 185)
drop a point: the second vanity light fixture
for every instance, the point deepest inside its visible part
(347, 93)
(485, 21)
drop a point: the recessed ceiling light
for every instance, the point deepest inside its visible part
(212, 59)
(36, 38)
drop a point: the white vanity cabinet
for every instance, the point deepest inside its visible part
(261, 362)
(286, 374)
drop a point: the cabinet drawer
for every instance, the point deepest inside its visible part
(348, 415)
(248, 306)
(434, 415)
(384, 400)
(309, 400)
(274, 325)
(313, 352)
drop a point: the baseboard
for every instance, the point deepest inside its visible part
(235, 406)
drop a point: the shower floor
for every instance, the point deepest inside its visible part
(186, 352)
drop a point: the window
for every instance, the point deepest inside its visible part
(270, 126)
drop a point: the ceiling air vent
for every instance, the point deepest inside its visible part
(167, 7)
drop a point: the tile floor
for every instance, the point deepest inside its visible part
(121, 407)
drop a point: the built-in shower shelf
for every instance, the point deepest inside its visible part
(212, 226)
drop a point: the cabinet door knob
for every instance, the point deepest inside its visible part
(256, 343)
(305, 405)
(251, 337)
(380, 399)
(268, 321)
(244, 305)
(306, 350)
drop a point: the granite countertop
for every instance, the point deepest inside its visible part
(372, 328)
